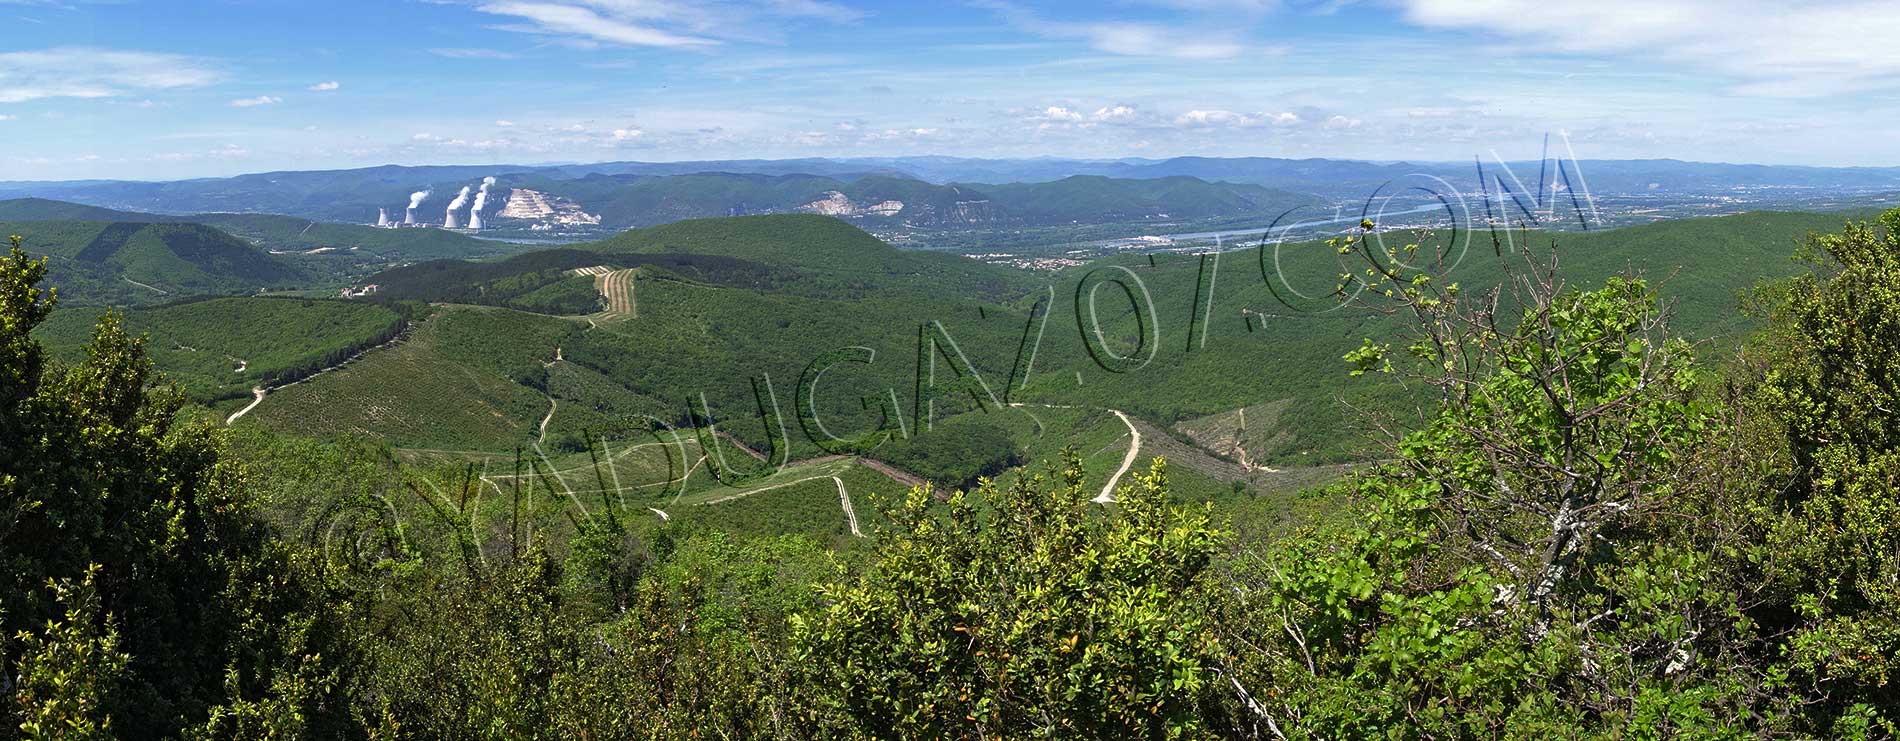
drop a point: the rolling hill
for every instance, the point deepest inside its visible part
(97, 262)
(220, 348)
(1239, 383)
(226, 253)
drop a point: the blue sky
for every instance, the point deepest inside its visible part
(163, 90)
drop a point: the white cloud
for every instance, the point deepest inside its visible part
(226, 152)
(1148, 40)
(1114, 113)
(504, 123)
(573, 20)
(621, 135)
(673, 24)
(1230, 119)
(1059, 113)
(464, 53)
(1214, 38)
(1342, 122)
(1772, 47)
(257, 101)
(87, 72)
(7, 117)
(900, 134)
(813, 9)
(324, 87)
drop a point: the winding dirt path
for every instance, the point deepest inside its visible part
(1134, 449)
(552, 405)
(161, 291)
(258, 393)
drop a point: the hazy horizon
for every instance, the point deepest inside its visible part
(148, 91)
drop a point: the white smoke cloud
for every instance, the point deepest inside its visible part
(415, 199)
(481, 197)
(461, 199)
(481, 202)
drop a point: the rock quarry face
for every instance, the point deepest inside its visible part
(838, 204)
(833, 204)
(548, 210)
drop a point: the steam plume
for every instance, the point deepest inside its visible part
(461, 199)
(481, 201)
(415, 199)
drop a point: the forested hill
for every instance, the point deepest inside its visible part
(840, 259)
(41, 209)
(100, 262)
(766, 295)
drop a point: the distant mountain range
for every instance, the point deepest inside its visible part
(915, 191)
(625, 195)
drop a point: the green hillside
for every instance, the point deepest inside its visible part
(128, 258)
(289, 233)
(1264, 346)
(465, 379)
(793, 288)
(42, 209)
(221, 348)
(133, 263)
(723, 301)
(1092, 199)
(837, 260)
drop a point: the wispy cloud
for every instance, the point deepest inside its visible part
(88, 72)
(466, 53)
(669, 24)
(1230, 119)
(1772, 47)
(324, 87)
(257, 101)
(585, 23)
(1207, 34)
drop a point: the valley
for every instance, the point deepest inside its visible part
(549, 351)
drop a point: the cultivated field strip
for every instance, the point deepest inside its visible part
(617, 288)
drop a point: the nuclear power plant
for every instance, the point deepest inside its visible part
(450, 220)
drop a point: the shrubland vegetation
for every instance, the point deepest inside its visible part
(1578, 519)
